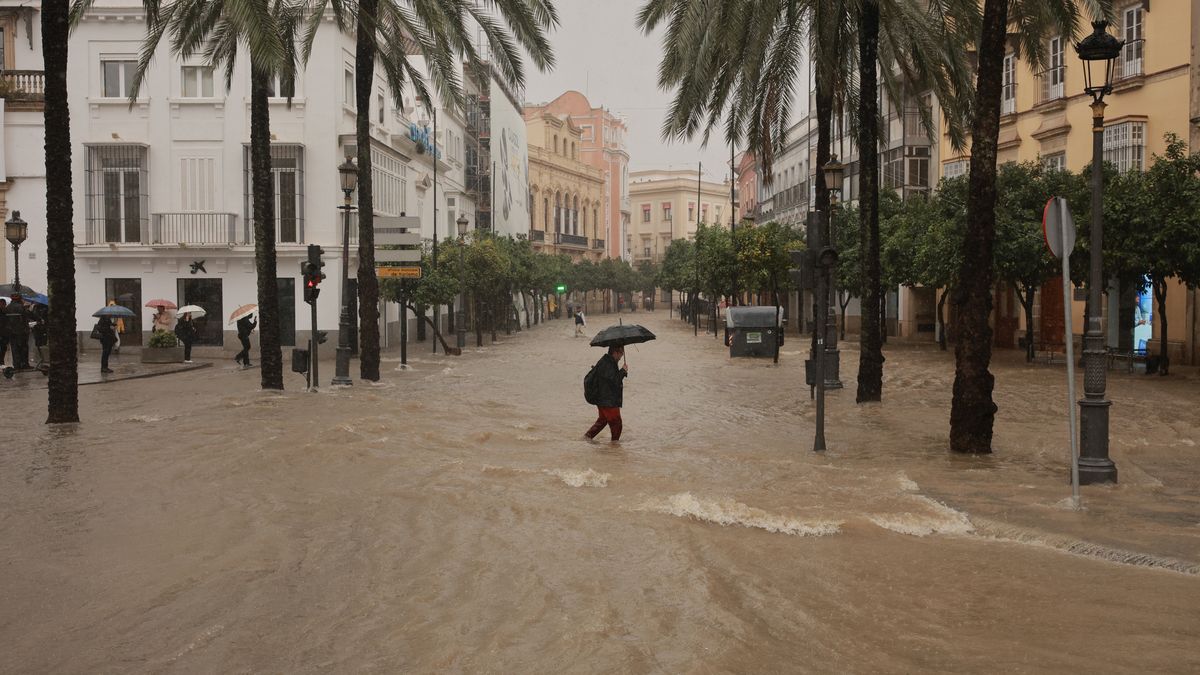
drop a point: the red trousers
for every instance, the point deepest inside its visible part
(610, 417)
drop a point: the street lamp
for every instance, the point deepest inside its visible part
(460, 317)
(348, 172)
(16, 231)
(834, 172)
(1098, 52)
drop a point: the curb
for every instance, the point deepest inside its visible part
(139, 376)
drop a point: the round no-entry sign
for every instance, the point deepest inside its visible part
(1058, 228)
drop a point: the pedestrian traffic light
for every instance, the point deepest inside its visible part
(561, 288)
(311, 269)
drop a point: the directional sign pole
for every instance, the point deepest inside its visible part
(1059, 230)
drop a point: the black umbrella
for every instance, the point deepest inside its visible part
(7, 290)
(622, 335)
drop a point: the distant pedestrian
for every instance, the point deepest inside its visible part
(105, 332)
(604, 388)
(161, 320)
(580, 322)
(245, 326)
(185, 330)
(3, 331)
(16, 316)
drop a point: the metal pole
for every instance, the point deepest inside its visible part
(460, 321)
(732, 226)
(342, 368)
(822, 303)
(832, 358)
(437, 313)
(1073, 446)
(1094, 463)
(17, 266)
(696, 253)
(314, 341)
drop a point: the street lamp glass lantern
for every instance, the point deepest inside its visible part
(1099, 52)
(15, 229)
(462, 225)
(349, 174)
(834, 172)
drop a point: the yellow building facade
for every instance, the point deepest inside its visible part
(566, 195)
(668, 204)
(1046, 117)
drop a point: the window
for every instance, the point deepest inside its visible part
(118, 77)
(1130, 63)
(381, 105)
(645, 213)
(1008, 97)
(348, 87)
(197, 82)
(587, 134)
(283, 87)
(704, 213)
(691, 212)
(1055, 162)
(389, 183)
(893, 168)
(556, 145)
(1125, 145)
(666, 207)
(573, 154)
(956, 168)
(1056, 75)
(918, 166)
(287, 178)
(116, 194)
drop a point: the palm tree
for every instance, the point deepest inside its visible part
(740, 58)
(972, 410)
(267, 30)
(393, 32)
(63, 399)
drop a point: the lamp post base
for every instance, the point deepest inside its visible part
(1094, 463)
(343, 367)
(833, 368)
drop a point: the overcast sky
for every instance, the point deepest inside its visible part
(601, 53)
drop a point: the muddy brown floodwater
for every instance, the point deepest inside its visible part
(450, 519)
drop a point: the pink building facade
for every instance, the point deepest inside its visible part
(747, 187)
(603, 147)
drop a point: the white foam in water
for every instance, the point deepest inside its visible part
(1011, 534)
(942, 520)
(575, 478)
(906, 483)
(729, 512)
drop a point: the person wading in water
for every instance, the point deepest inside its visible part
(604, 387)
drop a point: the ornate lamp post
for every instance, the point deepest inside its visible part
(16, 231)
(834, 172)
(1098, 52)
(460, 317)
(348, 172)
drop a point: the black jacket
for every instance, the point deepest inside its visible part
(245, 326)
(108, 335)
(186, 331)
(611, 381)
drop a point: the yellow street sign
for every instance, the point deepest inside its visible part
(407, 272)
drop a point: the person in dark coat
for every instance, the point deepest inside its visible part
(3, 331)
(108, 338)
(41, 335)
(17, 319)
(610, 377)
(245, 326)
(185, 330)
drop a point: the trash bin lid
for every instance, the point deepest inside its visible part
(754, 317)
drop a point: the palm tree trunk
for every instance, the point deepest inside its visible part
(368, 284)
(870, 355)
(63, 399)
(972, 411)
(824, 101)
(270, 355)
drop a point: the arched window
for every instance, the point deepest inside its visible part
(573, 155)
(558, 212)
(575, 216)
(595, 223)
(546, 215)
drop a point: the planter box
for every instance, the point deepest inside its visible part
(162, 354)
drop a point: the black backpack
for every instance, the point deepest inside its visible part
(591, 387)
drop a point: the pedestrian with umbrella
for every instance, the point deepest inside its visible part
(17, 317)
(105, 331)
(185, 329)
(244, 317)
(604, 384)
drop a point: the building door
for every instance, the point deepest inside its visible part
(128, 294)
(287, 311)
(205, 293)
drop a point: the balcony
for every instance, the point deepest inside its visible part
(23, 86)
(565, 239)
(197, 229)
(598, 244)
(1050, 87)
(1008, 100)
(1130, 69)
(537, 235)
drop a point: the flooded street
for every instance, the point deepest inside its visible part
(451, 519)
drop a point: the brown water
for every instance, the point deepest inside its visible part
(449, 519)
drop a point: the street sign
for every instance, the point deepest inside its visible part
(397, 231)
(396, 223)
(395, 237)
(1058, 228)
(405, 272)
(397, 255)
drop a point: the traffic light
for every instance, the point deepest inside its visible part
(311, 270)
(561, 288)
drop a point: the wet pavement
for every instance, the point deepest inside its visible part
(449, 519)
